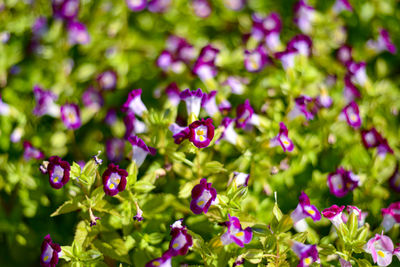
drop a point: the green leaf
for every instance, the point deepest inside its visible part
(67, 207)
(67, 253)
(114, 249)
(143, 187)
(277, 212)
(285, 223)
(213, 167)
(80, 234)
(352, 224)
(254, 256)
(132, 171)
(75, 171)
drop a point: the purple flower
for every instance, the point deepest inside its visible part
(357, 71)
(70, 116)
(235, 5)
(381, 248)
(282, 139)
(341, 5)
(304, 209)
(360, 214)
(301, 107)
(306, 253)
(236, 84)
(16, 135)
(159, 6)
(111, 117)
(391, 216)
(352, 115)
(179, 133)
(30, 152)
(202, 8)
(394, 180)
(165, 60)
(235, 233)
(133, 125)
(302, 43)
(173, 92)
(344, 263)
(287, 58)
(225, 107)
(181, 241)
(244, 114)
(201, 132)
(4, 107)
(263, 27)
(58, 171)
(371, 138)
(77, 33)
(65, 9)
(114, 180)
(93, 219)
(350, 92)
(334, 214)
(204, 67)
(163, 261)
(140, 150)
(193, 101)
(344, 54)
(180, 49)
(4, 37)
(50, 252)
(45, 103)
(139, 213)
(107, 80)
(134, 103)
(256, 60)
(115, 149)
(384, 43)
(239, 179)
(209, 104)
(136, 5)
(324, 100)
(92, 98)
(203, 195)
(342, 182)
(229, 134)
(39, 27)
(304, 16)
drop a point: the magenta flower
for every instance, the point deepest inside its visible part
(205, 70)
(323, 100)
(384, 43)
(180, 49)
(77, 33)
(134, 103)
(341, 5)
(352, 115)
(203, 195)
(165, 60)
(140, 150)
(361, 216)
(111, 117)
(139, 213)
(202, 8)
(133, 125)
(229, 134)
(181, 241)
(201, 132)
(391, 216)
(304, 16)
(236, 84)
(358, 72)
(370, 138)
(50, 252)
(65, 9)
(302, 107)
(39, 27)
(45, 103)
(256, 60)
(92, 98)
(209, 104)
(173, 92)
(287, 58)
(114, 180)
(235, 233)
(350, 91)
(136, 5)
(334, 214)
(70, 116)
(225, 107)
(179, 133)
(107, 80)
(115, 149)
(244, 114)
(159, 6)
(31, 152)
(306, 253)
(302, 43)
(58, 171)
(282, 139)
(193, 101)
(342, 182)
(304, 209)
(163, 261)
(394, 180)
(265, 26)
(344, 54)
(381, 248)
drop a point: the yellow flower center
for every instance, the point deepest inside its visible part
(56, 179)
(239, 234)
(175, 245)
(311, 212)
(308, 260)
(381, 253)
(46, 258)
(112, 186)
(156, 263)
(201, 202)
